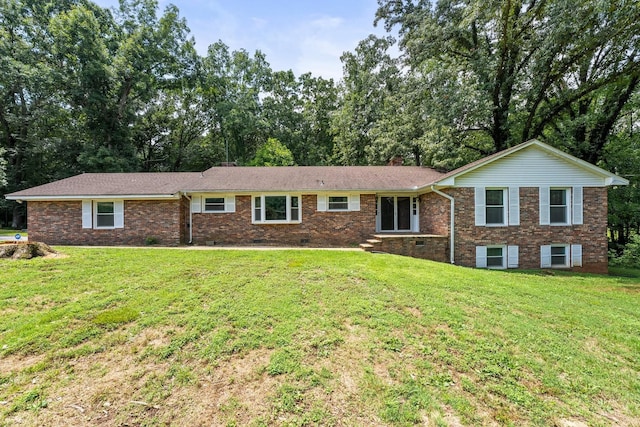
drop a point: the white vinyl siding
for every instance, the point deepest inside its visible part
(497, 256)
(531, 167)
(338, 202)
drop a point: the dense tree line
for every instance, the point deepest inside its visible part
(83, 88)
(88, 89)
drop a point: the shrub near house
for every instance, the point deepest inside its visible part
(529, 206)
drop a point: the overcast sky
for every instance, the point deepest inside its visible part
(301, 35)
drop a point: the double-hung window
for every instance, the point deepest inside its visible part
(214, 204)
(497, 256)
(560, 256)
(276, 209)
(561, 206)
(103, 214)
(558, 208)
(338, 203)
(495, 207)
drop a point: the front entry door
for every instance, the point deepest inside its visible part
(395, 213)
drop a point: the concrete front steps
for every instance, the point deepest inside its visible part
(370, 246)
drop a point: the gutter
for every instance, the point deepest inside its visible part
(452, 219)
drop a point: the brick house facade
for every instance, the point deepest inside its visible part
(530, 206)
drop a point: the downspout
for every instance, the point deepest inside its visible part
(452, 230)
(190, 219)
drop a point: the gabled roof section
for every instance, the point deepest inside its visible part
(608, 178)
(313, 178)
(152, 184)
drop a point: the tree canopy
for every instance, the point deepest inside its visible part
(89, 89)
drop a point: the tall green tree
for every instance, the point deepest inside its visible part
(318, 103)
(113, 67)
(273, 153)
(33, 123)
(232, 83)
(511, 70)
(370, 75)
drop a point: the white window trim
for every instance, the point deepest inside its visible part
(573, 255)
(510, 206)
(505, 208)
(353, 202)
(337, 210)
(574, 205)
(509, 257)
(229, 203)
(118, 214)
(504, 257)
(567, 204)
(262, 208)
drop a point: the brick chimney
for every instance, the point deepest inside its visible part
(396, 161)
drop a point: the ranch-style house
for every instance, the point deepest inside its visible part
(530, 206)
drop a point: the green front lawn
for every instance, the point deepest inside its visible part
(188, 337)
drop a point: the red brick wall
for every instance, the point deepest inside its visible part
(435, 217)
(60, 223)
(316, 229)
(434, 248)
(530, 235)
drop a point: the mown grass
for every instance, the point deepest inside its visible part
(334, 338)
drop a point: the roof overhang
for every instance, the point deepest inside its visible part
(64, 198)
(307, 191)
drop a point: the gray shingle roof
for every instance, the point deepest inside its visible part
(111, 184)
(238, 179)
(314, 178)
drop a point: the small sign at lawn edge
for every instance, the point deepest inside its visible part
(18, 236)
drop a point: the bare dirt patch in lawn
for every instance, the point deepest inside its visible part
(17, 363)
(237, 390)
